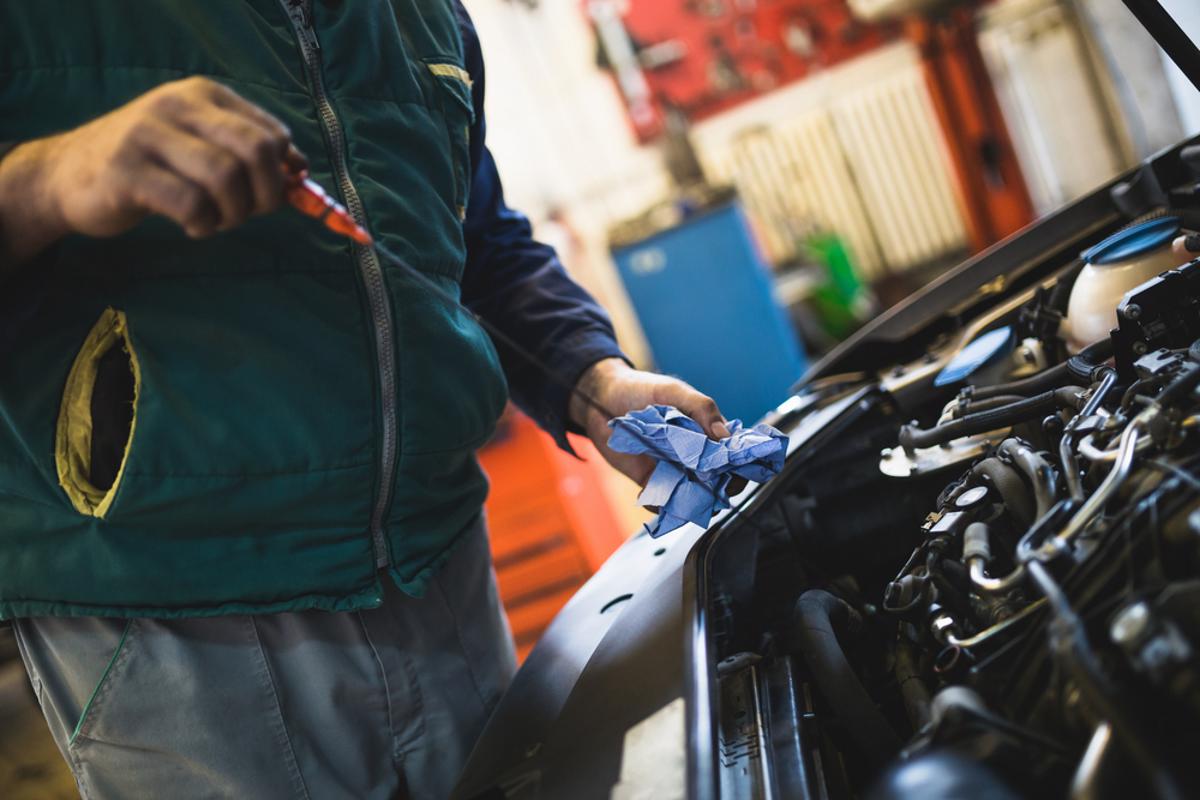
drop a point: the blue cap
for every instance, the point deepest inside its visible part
(975, 355)
(1134, 241)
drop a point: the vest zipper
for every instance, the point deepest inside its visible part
(299, 13)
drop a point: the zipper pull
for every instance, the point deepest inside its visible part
(301, 13)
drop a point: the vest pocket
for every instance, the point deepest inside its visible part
(458, 112)
(97, 417)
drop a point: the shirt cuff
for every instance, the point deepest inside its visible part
(570, 360)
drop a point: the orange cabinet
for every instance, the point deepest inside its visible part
(551, 522)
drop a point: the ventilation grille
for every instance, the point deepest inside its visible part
(868, 164)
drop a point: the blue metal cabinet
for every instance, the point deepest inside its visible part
(703, 295)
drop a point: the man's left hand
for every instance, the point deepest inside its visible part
(620, 389)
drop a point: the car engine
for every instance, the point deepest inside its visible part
(979, 574)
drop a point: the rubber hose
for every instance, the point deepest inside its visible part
(984, 421)
(1069, 396)
(1077, 369)
(814, 618)
(913, 690)
(1180, 387)
(949, 596)
(1083, 365)
(1007, 482)
(974, 406)
(957, 574)
(1046, 379)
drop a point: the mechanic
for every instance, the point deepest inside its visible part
(241, 537)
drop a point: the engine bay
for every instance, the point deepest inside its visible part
(979, 576)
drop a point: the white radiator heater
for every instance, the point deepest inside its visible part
(855, 150)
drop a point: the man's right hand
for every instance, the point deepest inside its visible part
(191, 150)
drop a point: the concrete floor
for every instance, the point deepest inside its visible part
(30, 765)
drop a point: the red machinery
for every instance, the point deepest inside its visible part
(701, 57)
(994, 199)
(704, 56)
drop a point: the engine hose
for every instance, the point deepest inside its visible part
(948, 595)
(973, 406)
(984, 421)
(1008, 484)
(1078, 369)
(814, 619)
(1180, 387)
(1037, 469)
(1083, 365)
(1046, 379)
(913, 690)
(957, 574)
(1069, 646)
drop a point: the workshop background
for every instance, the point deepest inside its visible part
(743, 183)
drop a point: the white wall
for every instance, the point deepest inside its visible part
(558, 130)
(1061, 113)
(855, 149)
(1135, 67)
(560, 133)
(1187, 99)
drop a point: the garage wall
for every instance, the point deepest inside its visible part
(855, 150)
(558, 130)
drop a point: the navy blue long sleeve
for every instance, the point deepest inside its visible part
(519, 285)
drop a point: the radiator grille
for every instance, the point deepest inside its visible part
(868, 164)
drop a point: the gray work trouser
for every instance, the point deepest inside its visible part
(384, 703)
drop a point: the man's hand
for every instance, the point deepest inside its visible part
(621, 389)
(191, 150)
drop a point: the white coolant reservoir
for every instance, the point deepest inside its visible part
(1119, 263)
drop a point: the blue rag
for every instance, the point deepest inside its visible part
(691, 481)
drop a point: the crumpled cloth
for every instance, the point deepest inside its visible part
(691, 481)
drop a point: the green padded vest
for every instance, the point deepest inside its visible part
(302, 413)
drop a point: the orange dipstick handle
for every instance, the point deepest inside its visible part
(307, 196)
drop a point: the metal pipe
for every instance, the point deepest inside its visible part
(1066, 452)
(1107, 381)
(1036, 468)
(977, 551)
(998, 628)
(1088, 449)
(1086, 783)
(1069, 646)
(989, 585)
(1094, 504)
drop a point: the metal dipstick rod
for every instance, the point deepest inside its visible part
(309, 198)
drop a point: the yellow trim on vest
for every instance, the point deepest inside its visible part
(451, 71)
(73, 438)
